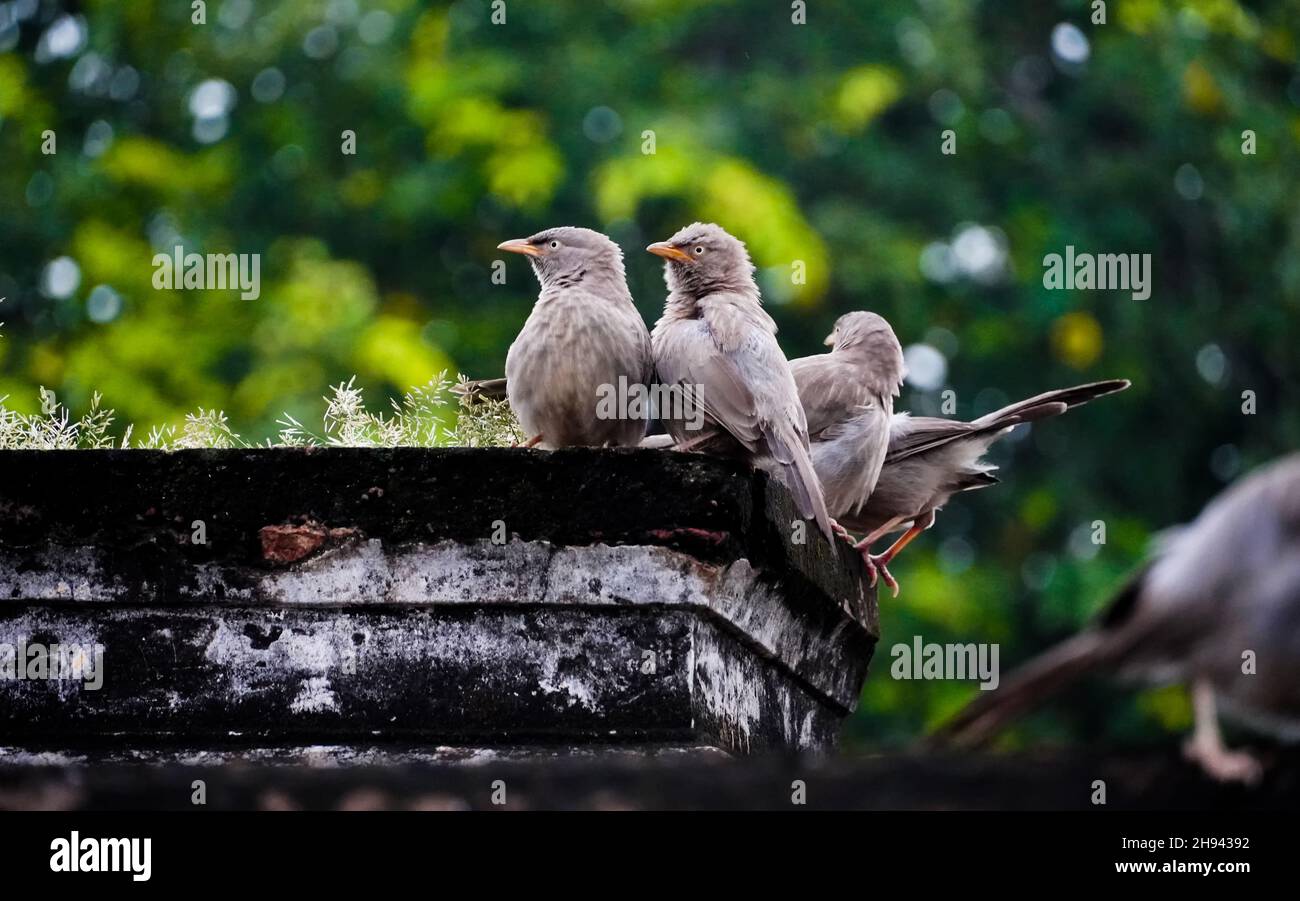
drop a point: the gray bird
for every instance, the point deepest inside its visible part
(717, 346)
(1217, 608)
(930, 460)
(848, 398)
(882, 471)
(582, 337)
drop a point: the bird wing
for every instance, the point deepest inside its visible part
(747, 336)
(848, 457)
(912, 435)
(830, 391)
(745, 388)
(687, 355)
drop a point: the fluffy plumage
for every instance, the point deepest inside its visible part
(583, 333)
(848, 396)
(883, 471)
(715, 341)
(931, 459)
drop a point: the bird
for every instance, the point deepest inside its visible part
(931, 459)
(848, 399)
(1217, 608)
(717, 345)
(582, 339)
(927, 459)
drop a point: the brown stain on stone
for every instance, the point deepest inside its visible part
(710, 537)
(285, 544)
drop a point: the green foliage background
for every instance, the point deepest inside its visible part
(817, 142)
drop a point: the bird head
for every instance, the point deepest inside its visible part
(861, 327)
(703, 259)
(870, 337)
(568, 251)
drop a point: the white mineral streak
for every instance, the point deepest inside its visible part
(733, 692)
(578, 691)
(315, 696)
(76, 638)
(533, 575)
(57, 574)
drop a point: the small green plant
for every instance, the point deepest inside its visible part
(55, 431)
(483, 421)
(206, 428)
(414, 421)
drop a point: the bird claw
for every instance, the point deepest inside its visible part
(1224, 765)
(878, 563)
(842, 532)
(871, 569)
(877, 566)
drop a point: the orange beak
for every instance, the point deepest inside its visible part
(669, 252)
(520, 245)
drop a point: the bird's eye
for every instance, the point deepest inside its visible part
(698, 250)
(554, 244)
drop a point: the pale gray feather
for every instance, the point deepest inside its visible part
(848, 396)
(582, 337)
(931, 459)
(716, 341)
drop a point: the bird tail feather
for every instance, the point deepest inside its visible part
(1051, 403)
(793, 460)
(474, 389)
(1022, 691)
(812, 501)
(1001, 420)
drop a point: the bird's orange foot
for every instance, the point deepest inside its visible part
(531, 442)
(871, 569)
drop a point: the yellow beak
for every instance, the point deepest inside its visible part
(520, 245)
(669, 252)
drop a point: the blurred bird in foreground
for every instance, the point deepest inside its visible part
(717, 345)
(583, 335)
(1217, 608)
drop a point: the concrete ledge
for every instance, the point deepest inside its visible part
(624, 777)
(629, 596)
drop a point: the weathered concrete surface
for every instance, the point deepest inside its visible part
(624, 778)
(635, 596)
